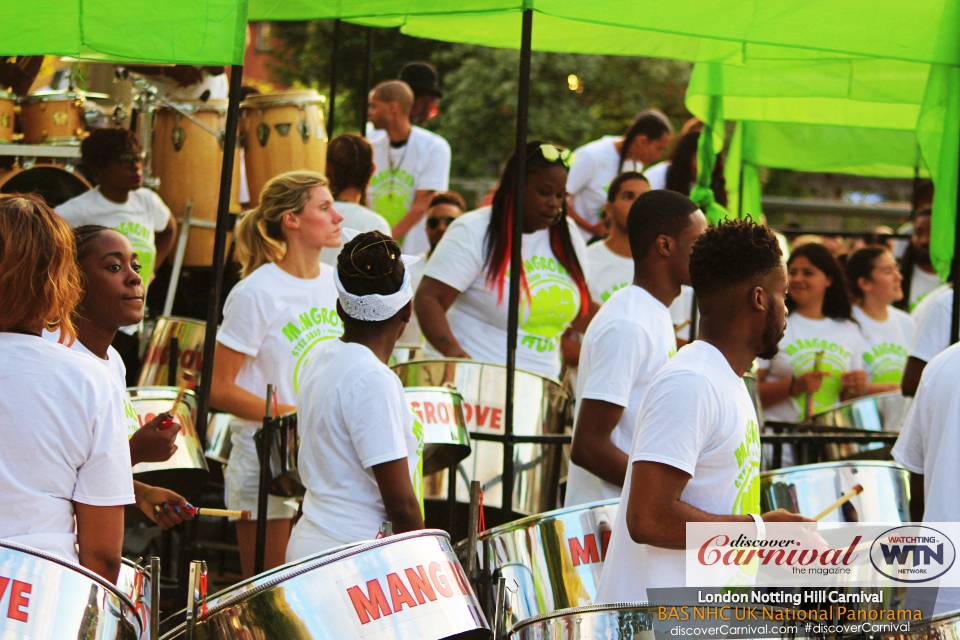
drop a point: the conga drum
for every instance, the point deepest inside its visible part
(53, 117)
(554, 559)
(8, 107)
(282, 132)
(404, 586)
(53, 183)
(186, 472)
(49, 598)
(188, 159)
(189, 335)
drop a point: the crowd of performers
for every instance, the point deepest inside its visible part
(672, 431)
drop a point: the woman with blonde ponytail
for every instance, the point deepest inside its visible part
(283, 307)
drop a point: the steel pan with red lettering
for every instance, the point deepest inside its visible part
(134, 582)
(445, 437)
(48, 598)
(404, 587)
(539, 408)
(186, 471)
(189, 335)
(555, 558)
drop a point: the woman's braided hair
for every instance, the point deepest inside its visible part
(370, 264)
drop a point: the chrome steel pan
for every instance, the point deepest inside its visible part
(190, 334)
(440, 411)
(47, 598)
(134, 582)
(808, 489)
(404, 587)
(186, 471)
(283, 457)
(555, 558)
(539, 404)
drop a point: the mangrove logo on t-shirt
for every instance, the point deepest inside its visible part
(612, 290)
(748, 472)
(130, 415)
(308, 330)
(885, 362)
(417, 478)
(142, 239)
(836, 361)
(391, 194)
(553, 303)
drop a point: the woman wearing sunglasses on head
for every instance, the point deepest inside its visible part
(462, 300)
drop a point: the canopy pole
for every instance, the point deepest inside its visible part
(955, 270)
(516, 257)
(366, 82)
(219, 246)
(334, 72)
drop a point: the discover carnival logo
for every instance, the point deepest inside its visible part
(912, 553)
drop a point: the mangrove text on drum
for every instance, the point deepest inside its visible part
(442, 412)
(587, 552)
(19, 600)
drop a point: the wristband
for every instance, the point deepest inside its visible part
(761, 527)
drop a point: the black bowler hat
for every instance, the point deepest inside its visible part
(422, 78)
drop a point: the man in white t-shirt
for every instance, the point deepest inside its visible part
(928, 446)
(919, 276)
(696, 450)
(411, 163)
(628, 341)
(597, 163)
(931, 334)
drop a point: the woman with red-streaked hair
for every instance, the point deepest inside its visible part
(462, 299)
(65, 465)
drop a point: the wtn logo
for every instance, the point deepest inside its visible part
(912, 553)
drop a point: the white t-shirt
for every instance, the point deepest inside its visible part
(277, 320)
(922, 283)
(697, 417)
(358, 218)
(140, 218)
(479, 320)
(885, 344)
(932, 316)
(422, 164)
(61, 422)
(627, 342)
(594, 168)
(657, 175)
(353, 415)
(681, 312)
(928, 445)
(606, 271)
(411, 334)
(842, 347)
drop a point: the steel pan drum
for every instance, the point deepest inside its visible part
(219, 444)
(408, 586)
(283, 457)
(539, 405)
(189, 334)
(404, 353)
(186, 471)
(134, 582)
(881, 412)
(555, 558)
(440, 411)
(48, 598)
(811, 488)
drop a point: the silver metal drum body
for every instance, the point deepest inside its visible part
(48, 598)
(186, 471)
(881, 412)
(445, 437)
(811, 488)
(219, 444)
(134, 582)
(404, 353)
(539, 409)
(190, 334)
(284, 452)
(404, 587)
(555, 558)
(619, 621)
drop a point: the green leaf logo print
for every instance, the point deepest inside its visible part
(554, 300)
(748, 472)
(417, 478)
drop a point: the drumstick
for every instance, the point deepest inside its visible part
(225, 513)
(841, 501)
(188, 377)
(817, 361)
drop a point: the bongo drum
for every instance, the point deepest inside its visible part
(555, 558)
(49, 598)
(189, 334)
(282, 132)
(8, 107)
(53, 117)
(404, 586)
(188, 160)
(53, 183)
(186, 471)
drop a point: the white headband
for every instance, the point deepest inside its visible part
(375, 307)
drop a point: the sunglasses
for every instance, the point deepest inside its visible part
(434, 223)
(552, 153)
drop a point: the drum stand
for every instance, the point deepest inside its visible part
(264, 493)
(183, 234)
